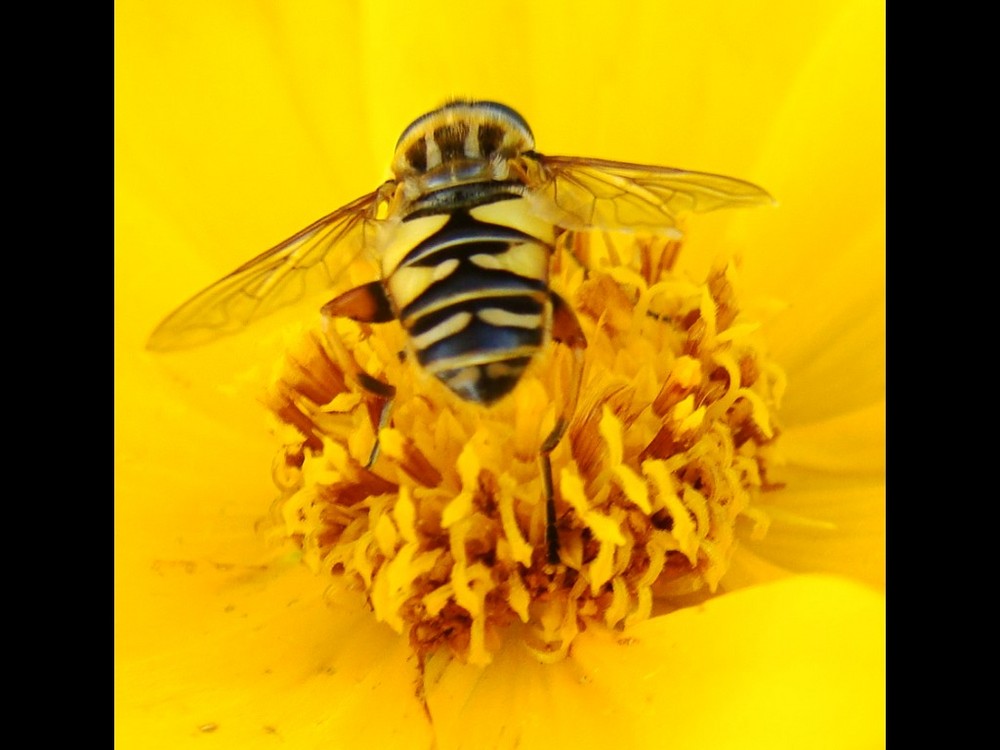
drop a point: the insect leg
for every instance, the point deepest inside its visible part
(366, 304)
(565, 330)
(575, 245)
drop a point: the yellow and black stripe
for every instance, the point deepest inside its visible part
(473, 295)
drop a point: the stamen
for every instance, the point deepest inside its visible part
(666, 457)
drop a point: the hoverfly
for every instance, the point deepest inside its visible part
(463, 234)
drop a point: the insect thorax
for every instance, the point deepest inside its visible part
(461, 132)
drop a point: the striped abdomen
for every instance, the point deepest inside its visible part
(473, 296)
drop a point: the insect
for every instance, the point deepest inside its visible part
(463, 234)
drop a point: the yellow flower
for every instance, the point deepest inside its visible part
(237, 124)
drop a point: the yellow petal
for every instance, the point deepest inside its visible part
(794, 664)
(823, 251)
(259, 658)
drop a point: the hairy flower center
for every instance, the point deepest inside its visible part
(668, 448)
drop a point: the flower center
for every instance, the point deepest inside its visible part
(667, 450)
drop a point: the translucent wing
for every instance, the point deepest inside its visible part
(307, 262)
(578, 193)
